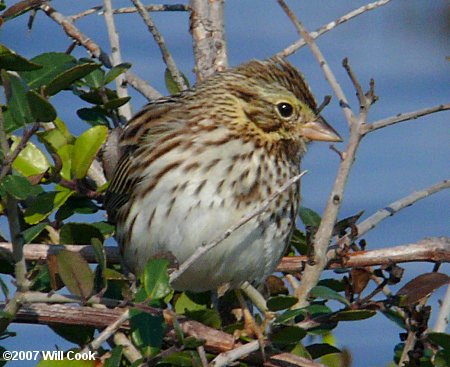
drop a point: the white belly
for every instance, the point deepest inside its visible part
(183, 211)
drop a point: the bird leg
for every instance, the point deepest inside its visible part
(250, 325)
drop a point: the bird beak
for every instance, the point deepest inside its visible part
(320, 130)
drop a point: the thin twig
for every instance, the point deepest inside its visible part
(322, 62)
(225, 358)
(328, 27)
(394, 207)
(95, 50)
(154, 8)
(401, 117)
(116, 58)
(106, 333)
(167, 57)
(246, 218)
(129, 350)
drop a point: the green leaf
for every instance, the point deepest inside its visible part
(31, 160)
(79, 234)
(178, 359)
(327, 293)
(353, 315)
(288, 335)
(95, 97)
(75, 273)
(92, 116)
(208, 317)
(188, 301)
(54, 63)
(65, 154)
(41, 109)
(298, 240)
(31, 233)
(116, 103)
(18, 102)
(86, 148)
(334, 284)
(309, 217)
(116, 71)
(44, 204)
(281, 302)
(56, 137)
(79, 205)
(319, 350)
(66, 78)
(76, 334)
(146, 330)
(289, 315)
(10, 123)
(19, 187)
(171, 85)
(95, 79)
(106, 229)
(9, 60)
(156, 278)
(115, 358)
(395, 317)
(441, 339)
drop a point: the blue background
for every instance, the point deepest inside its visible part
(402, 45)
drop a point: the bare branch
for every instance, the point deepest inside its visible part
(142, 86)
(226, 358)
(116, 58)
(246, 218)
(435, 249)
(167, 57)
(401, 117)
(208, 37)
(432, 250)
(153, 8)
(129, 350)
(328, 27)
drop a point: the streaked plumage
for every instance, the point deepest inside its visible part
(195, 163)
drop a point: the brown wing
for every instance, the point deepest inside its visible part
(150, 123)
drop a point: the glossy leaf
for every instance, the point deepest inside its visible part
(95, 79)
(92, 116)
(146, 330)
(327, 293)
(290, 315)
(309, 217)
(353, 315)
(67, 77)
(79, 234)
(288, 335)
(156, 279)
(31, 233)
(44, 204)
(41, 109)
(75, 273)
(281, 303)
(319, 350)
(208, 317)
(77, 334)
(86, 148)
(441, 339)
(19, 187)
(178, 359)
(54, 63)
(116, 71)
(188, 302)
(18, 102)
(116, 357)
(31, 160)
(116, 103)
(79, 205)
(9, 60)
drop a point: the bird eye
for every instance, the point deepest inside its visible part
(285, 109)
